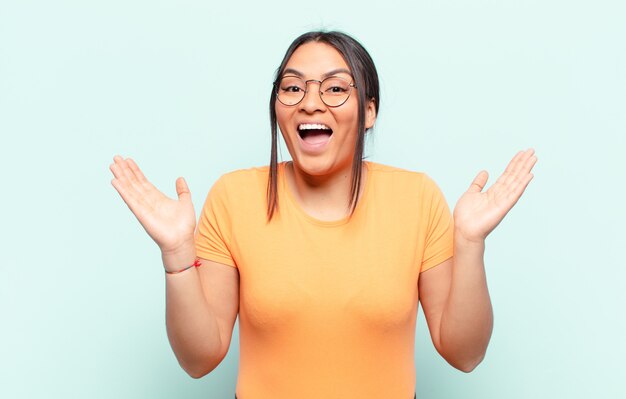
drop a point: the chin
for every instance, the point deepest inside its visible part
(318, 166)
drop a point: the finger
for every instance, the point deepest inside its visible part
(479, 182)
(135, 169)
(126, 171)
(517, 167)
(529, 164)
(509, 168)
(182, 189)
(126, 192)
(119, 163)
(517, 191)
(115, 168)
(140, 181)
(528, 154)
(523, 173)
(121, 177)
(124, 187)
(503, 178)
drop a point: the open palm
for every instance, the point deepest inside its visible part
(477, 213)
(169, 222)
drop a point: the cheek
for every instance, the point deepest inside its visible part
(349, 120)
(282, 119)
(349, 114)
(282, 115)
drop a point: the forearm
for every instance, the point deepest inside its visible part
(467, 320)
(192, 327)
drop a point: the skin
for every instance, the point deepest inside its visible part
(321, 182)
(202, 303)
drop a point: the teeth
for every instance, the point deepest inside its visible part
(313, 126)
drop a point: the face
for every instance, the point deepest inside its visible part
(320, 138)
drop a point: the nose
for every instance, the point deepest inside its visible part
(312, 100)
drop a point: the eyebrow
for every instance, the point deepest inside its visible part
(324, 76)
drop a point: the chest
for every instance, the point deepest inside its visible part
(302, 274)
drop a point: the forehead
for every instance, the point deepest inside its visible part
(314, 59)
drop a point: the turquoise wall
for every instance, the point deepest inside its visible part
(182, 87)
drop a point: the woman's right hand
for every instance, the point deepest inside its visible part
(170, 223)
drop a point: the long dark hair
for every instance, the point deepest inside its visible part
(366, 80)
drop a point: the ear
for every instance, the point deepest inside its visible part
(370, 114)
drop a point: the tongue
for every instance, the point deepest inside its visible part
(315, 136)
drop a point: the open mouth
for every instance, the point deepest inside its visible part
(314, 133)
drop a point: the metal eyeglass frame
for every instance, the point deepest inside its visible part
(306, 90)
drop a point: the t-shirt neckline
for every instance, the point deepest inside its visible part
(324, 223)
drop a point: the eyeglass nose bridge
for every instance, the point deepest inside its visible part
(306, 90)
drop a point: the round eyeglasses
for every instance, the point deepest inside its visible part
(334, 91)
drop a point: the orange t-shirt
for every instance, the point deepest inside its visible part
(327, 309)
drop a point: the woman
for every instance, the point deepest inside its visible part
(324, 258)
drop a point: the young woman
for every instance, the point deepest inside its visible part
(325, 257)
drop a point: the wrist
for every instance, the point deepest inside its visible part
(468, 252)
(465, 241)
(179, 258)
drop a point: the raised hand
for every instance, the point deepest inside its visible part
(170, 223)
(477, 213)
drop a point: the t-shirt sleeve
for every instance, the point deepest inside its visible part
(440, 227)
(214, 231)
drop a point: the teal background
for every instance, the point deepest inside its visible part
(182, 87)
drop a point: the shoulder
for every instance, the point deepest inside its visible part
(395, 185)
(242, 181)
(242, 190)
(386, 174)
(245, 175)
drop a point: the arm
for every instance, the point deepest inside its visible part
(457, 307)
(201, 308)
(201, 303)
(454, 294)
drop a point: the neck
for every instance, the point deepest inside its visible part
(323, 197)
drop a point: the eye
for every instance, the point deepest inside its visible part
(335, 86)
(291, 84)
(336, 89)
(291, 89)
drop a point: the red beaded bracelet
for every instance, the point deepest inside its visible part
(196, 263)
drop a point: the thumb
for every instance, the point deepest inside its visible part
(479, 182)
(182, 189)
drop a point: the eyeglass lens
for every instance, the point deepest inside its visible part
(334, 91)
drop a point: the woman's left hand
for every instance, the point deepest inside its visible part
(477, 213)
